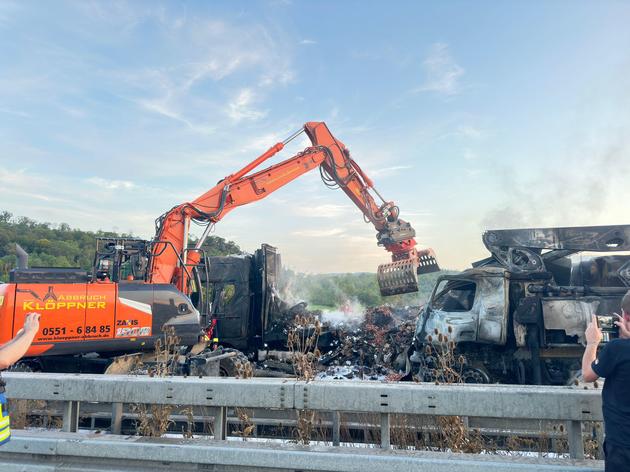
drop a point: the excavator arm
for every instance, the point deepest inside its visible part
(172, 259)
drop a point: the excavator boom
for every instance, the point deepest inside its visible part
(172, 258)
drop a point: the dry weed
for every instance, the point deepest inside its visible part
(305, 426)
(247, 427)
(244, 369)
(302, 340)
(190, 422)
(154, 420)
(22, 414)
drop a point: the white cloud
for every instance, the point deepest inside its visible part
(318, 233)
(185, 88)
(282, 77)
(111, 184)
(469, 155)
(387, 171)
(164, 107)
(323, 211)
(472, 173)
(425, 214)
(442, 73)
(260, 144)
(469, 131)
(240, 107)
(308, 41)
(21, 114)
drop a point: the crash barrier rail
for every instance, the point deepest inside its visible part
(47, 452)
(280, 424)
(569, 405)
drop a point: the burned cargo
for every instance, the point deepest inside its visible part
(519, 316)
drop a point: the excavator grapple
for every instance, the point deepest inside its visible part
(401, 276)
(398, 277)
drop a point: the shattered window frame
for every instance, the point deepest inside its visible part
(451, 285)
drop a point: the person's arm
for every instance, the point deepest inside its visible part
(593, 336)
(13, 351)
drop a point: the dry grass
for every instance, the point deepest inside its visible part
(190, 422)
(244, 369)
(22, 414)
(154, 420)
(302, 340)
(246, 427)
(303, 433)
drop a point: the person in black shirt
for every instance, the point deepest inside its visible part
(612, 363)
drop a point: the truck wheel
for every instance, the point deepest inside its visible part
(475, 376)
(233, 366)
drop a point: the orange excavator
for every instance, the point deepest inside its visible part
(137, 287)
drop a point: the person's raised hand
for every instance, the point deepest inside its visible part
(593, 334)
(31, 323)
(624, 326)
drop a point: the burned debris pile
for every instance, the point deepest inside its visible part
(370, 345)
(373, 349)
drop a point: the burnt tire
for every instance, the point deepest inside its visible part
(233, 366)
(474, 376)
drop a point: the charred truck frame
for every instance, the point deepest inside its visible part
(519, 316)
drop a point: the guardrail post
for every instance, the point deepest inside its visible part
(385, 439)
(70, 417)
(336, 427)
(220, 423)
(117, 410)
(576, 446)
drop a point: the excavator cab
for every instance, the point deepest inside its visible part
(121, 259)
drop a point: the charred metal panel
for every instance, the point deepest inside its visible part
(579, 238)
(463, 325)
(230, 281)
(520, 334)
(520, 249)
(569, 315)
(492, 307)
(604, 271)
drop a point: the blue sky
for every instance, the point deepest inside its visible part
(470, 115)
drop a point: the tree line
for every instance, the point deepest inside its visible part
(60, 245)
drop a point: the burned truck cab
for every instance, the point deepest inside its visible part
(244, 297)
(470, 307)
(519, 316)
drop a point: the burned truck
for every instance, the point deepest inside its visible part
(250, 313)
(519, 316)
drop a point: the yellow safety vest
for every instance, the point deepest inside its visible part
(5, 423)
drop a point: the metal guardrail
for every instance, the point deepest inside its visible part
(562, 404)
(48, 452)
